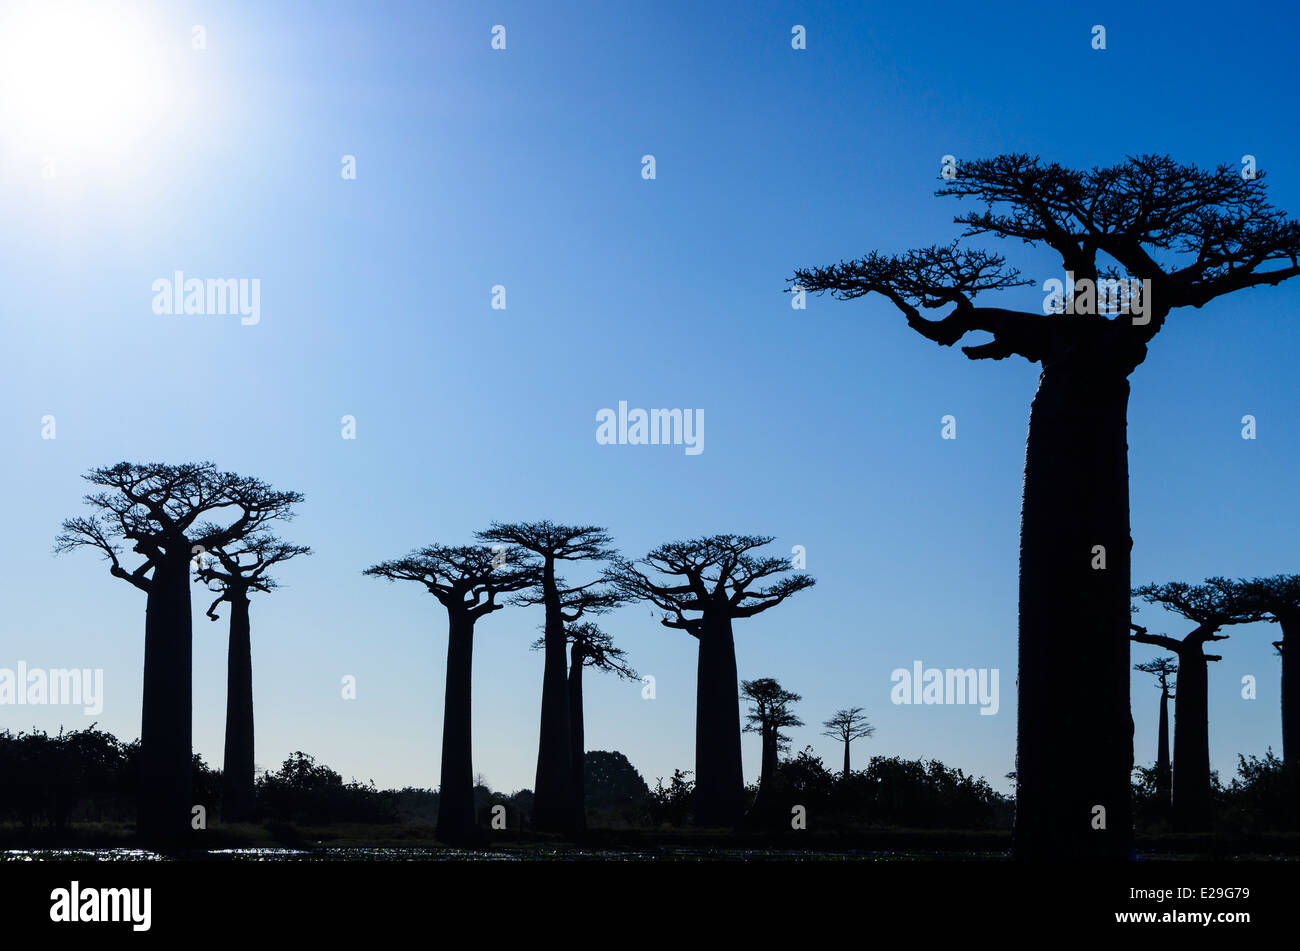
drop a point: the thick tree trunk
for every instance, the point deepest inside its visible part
(456, 821)
(554, 807)
(846, 760)
(1290, 690)
(719, 779)
(766, 772)
(1193, 805)
(577, 731)
(1164, 781)
(166, 737)
(1074, 727)
(237, 766)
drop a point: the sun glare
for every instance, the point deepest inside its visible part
(78, 78)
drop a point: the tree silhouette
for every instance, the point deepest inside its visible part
(555, 805)
(1278, 600)
(589, 646)
(466, 580)
(847, 726)
(1195, 235)
(1164, 669)
(717, 578)
(166, 514)
(1212, 605)
(769, 715)
(612, 782)
(232, 572)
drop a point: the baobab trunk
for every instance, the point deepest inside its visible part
(166, 757)
(767, 773)
(1290, 690)
(577, 731)
(553, 805)
(719, 780)
(846, 760)
(237, 768)
(1164, 781)
(1192, 800)
(456, 822)
(1074, 753)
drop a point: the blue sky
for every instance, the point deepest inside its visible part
(522, 168)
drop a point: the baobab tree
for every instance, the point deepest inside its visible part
(706, 584)
(847, 726)
(555, 803)
(232, 573)
(1278, 600)
(768, 717)
(466, 580)
(1163, 668)
(589, 646)
(168, 514)
(1212, 606)
(1186, 236)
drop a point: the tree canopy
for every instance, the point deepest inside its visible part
(1194, 234)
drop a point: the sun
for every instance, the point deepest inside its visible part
(79, 78)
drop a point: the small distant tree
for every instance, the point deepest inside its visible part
(232, 573)
(1164, 669)
(847, 726)
(768, 717)
(1213, 605)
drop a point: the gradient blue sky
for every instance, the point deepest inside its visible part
(522, 168)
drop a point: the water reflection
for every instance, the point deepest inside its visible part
(473, 855)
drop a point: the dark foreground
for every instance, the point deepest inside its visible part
(279, 842)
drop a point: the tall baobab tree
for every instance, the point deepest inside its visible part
(168, 514)
(589, 646)
(1278, 599)
(1163, 668)
(847, 726)
(555, 803)
(466, 580)
(706, 584)
(232, 573)
(1187, 236)
(1212, 606)
(769, 716)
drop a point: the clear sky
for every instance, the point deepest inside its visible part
(140, 155)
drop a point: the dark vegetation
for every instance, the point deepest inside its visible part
(80, 788)
(51, 782)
